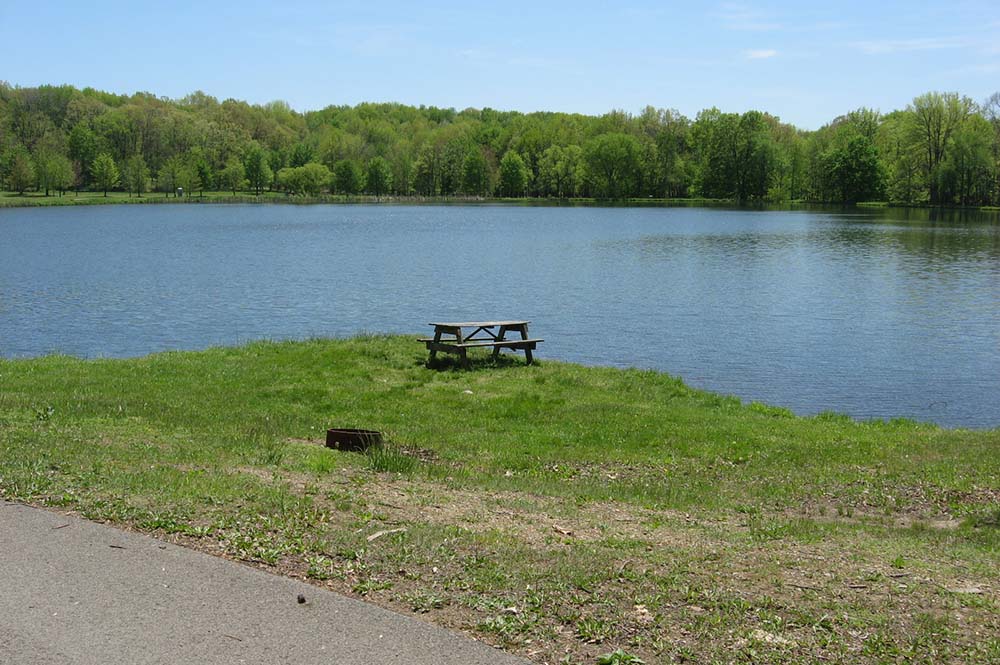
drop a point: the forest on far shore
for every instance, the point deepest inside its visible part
(942, 149)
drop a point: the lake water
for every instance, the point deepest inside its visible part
(874, 313)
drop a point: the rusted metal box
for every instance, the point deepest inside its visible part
(352, 439)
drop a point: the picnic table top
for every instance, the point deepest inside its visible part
(479, 324)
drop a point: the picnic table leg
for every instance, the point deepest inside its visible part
(524, 335)
(437, 338)
(500, 336)
(465, 357)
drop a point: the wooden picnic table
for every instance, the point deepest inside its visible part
(453, 337)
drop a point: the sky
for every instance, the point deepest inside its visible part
(804, 62)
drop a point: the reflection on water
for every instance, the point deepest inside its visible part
(877, 313)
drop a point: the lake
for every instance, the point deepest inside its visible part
(874, 313)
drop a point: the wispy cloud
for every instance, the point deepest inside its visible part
(881, 46)
(737, 16)
(760, 54)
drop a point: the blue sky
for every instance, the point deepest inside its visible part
(804, 62)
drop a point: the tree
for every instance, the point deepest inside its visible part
(560, 170)
(937, 116)
(737, 155)
(135, 174)
(613, 164)
(901, 158)
(258, 172)
(514, 175)
(854, 171)
(549, 177)
(203, 176)
(233, 176)
(275, 161)
(301, 155)
(475, 173)
(288, 180)
(348, 177)
(19, 170)
(379, 178)
(452, 161)
(313, 178)
(991, 111)
(49, 167)
(401, 162)
(61, 174)
(104, 172)
(173, 175)
(426, 170)
(968, 172)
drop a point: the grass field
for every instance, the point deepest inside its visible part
(561, 512)
(35, 199)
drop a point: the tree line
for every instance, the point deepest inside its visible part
(943, 148)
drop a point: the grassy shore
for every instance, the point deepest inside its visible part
(560, 512)
(38, 199)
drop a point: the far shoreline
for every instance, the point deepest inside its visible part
(36, 200)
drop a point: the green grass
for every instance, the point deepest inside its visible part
(545, 508)
(34, 199)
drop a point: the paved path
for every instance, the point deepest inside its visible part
(75, 592)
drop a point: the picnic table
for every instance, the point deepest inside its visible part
(453, 337)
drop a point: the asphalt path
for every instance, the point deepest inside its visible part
(75, 592)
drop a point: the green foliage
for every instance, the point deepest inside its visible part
(301, 155)
(174, 174)
(310, 179)
(968, 173)
(593, 631)
(83, 147)
(105, 172)
(936, 118)
(233, 176)
(942, 149)
(561, 171)
(853, 170)
(53, 171)
(348, 177)
(613, 165)
(426, 171)
(513, 175)
(619, 657)
(476, 173)
(738, 155)
(135, 174)
(18, 169)
(204, 177)
(379, 178)
(258, 171)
